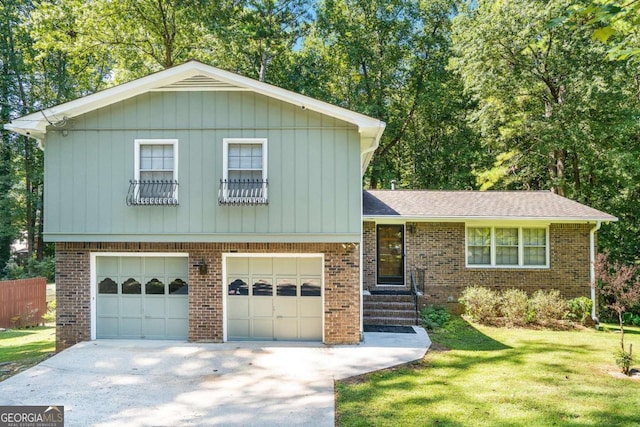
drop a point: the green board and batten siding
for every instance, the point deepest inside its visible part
(313, 170)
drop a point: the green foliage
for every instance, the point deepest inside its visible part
(515, 307)
(31, 268)
(551, 110)
(620, 286)
(548, 306)
(434, 317)
(624, 359)
(480, 304)
(579, 309)
(612, 22)
(631, 319)
(50, 315)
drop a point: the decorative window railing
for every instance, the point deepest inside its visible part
(152, 193)
(242, 192)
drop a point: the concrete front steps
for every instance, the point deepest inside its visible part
(389, 310)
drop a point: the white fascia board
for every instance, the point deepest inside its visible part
(567, 220)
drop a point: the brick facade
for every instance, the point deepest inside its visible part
(437, 252)
(341, 291)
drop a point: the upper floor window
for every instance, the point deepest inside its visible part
(155, 173)
(507, 247)
(244, 180)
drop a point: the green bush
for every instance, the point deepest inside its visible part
(516, 308)
(434, 317)
(480, 304)
(548, 306)
(631, 319)
(31, 268)
(50, 315)
(624, 359)
(579, 309)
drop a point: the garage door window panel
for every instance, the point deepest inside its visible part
(287, 288)
(154, 287)
(311, 288)
(107, 286)
(238, 287)
(262, 288)
(178, 287)
(131, 287)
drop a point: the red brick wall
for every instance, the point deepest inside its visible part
(369, 254)
(341, 280)
(439, 250)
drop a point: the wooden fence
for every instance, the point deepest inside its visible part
(22, 302)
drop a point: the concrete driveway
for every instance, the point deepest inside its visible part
(169, 383)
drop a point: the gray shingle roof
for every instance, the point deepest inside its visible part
(535, 205)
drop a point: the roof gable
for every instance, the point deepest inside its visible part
(196, 76)
(477, 205)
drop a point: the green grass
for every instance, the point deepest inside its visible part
(27, 345)
(491, 376)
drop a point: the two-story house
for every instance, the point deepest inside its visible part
(198, 204)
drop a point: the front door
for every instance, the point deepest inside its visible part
(390, 254)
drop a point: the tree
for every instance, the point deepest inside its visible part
(13, 101)
(621, 284)
(615, 23)
(554, 113)
(259, 37)
(387, 59)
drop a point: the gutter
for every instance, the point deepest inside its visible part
(592, 271)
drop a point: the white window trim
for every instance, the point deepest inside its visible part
(225, 158)
(492, 251)
(136, 157)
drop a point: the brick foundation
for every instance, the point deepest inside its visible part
(438, 249)
(341, 281)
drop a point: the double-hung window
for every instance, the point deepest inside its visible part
(244, 180)
(526, 247)
(156, 172)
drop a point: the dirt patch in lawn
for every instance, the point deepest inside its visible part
(9, 369)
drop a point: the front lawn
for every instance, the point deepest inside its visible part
(23, 348)
(485, 376)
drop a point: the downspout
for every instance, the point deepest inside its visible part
(592, 271)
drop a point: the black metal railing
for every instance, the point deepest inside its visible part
(242, 192)
(152, 193)
(414, 292)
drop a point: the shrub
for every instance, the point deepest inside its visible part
(480, 304)
(30, 268)
(434, 317)
(50, 315)
(624, 359)
(631, 319)
(579, 309)
(516, 307)
(548, 306)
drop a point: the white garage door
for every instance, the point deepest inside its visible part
(274, 298)
(142, 297)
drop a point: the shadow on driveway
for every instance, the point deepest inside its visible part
(169, 383)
